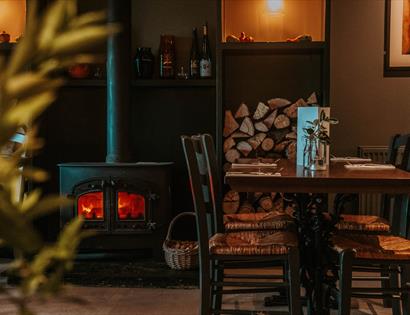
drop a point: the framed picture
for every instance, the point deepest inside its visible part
(397, 39)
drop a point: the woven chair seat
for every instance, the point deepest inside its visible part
(383, 247)
(273, 220)
(365, 223)
(253, 243)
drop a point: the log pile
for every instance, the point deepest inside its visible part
(265, 130)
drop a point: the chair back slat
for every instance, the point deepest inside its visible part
(214, 180)
(398, 205)
(195, 163)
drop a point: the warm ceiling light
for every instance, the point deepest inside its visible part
(275, 6)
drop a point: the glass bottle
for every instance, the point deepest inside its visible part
(144, 63)
(205, 63)
(167, 57)
(194, 56)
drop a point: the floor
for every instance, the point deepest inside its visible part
(150, 301)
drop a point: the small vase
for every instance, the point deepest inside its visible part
(315, 155)
(144, 63)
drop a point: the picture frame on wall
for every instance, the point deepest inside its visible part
(397, 38)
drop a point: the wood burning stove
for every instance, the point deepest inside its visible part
(127, 204)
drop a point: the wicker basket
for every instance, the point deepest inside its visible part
(180, 255)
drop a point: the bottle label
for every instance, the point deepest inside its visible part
(194, 68)
(205, 68)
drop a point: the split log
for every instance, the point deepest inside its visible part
(244, 147)
(231, 202)
(292, 110)
(282, 121)
(275, 103)
(270, 119)
(261, 111)
(312, 99)
(239, 134)
(291, 135)
(278, 205)
(291, 151)
(280, 147)
(226, 167)
(257, 195)
(266, 203)
(247, 126)
(243, 111)
(246, 207)
(260, 126)
(256, 140)
(267, 144)
(230, 124)
(229, 143)
(273, 195)
(260, 209)
(232, 155)
(279, 135)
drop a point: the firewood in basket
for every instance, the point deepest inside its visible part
(243, 111)
(275, 103)
(256, 140)
(246, 207)
(260, 126)
(270, 119)
(282, 121)
(280, 147)
(291, 151)
(232, 155)
(292, 110)
(229, 143)
(266, 203)
(312, 99)
(230, 124)
(244, 147)
(247, 126)
(261, 111)
(267, 144)
(239, 134)
(231, 202)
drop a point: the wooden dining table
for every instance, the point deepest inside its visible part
(307, 189)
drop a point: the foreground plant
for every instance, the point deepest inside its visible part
(29, 83)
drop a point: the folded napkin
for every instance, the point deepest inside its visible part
(247, 165)
(350, 159)
(252, 174)
(370, 166)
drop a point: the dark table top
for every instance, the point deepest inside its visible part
(336, 179)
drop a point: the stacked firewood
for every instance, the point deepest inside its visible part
(269, 131)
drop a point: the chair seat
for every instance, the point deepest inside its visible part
(252, 243)
(365, 223)
(383, 247)
(273, 220)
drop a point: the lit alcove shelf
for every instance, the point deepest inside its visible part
(279, 46)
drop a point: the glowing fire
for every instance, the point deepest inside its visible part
(131, 206)
(90, 206)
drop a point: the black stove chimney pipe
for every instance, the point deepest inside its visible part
(118, 82)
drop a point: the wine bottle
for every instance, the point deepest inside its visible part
(194, 57)
(205, 63)
(167, 57)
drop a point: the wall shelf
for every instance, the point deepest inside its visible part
(273, 46)
(163, 83)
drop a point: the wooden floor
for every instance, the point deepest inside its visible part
(144, 301)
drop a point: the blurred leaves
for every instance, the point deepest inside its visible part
(29, 83)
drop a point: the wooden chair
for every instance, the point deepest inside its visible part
(237, 222)
(388, 255)
(246, 248)
(371, 223)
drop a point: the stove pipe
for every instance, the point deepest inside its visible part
(118, 82)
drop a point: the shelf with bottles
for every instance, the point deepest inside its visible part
(171, 83)
(286, 47)
(271, 21)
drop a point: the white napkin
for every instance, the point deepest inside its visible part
(247, 165)
(370, 166)
(253, 174)
(350, 159)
